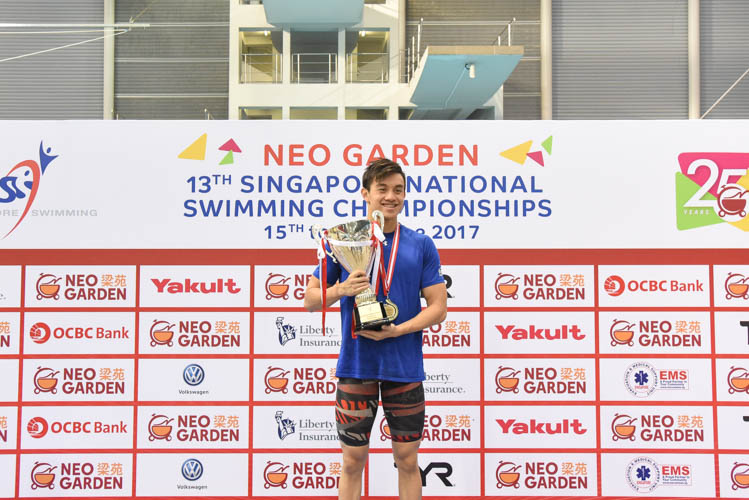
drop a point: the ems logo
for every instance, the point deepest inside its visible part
(277, 287)
(276, 380)
(737, 286)
(506, 287)
(740, 476)
(160, 428)
(45, 380)
(507, 380)
(507, 475)
(161, 333)
(192, 469)
(622, 332)
(643, 475)
(738, 380)
(623, 427)
(286, 426)
(275, 475)
(193, 374)
(37, 427)
(641, 379)
(286, 333)
(40, 332)
(47, 287)
(43, 476)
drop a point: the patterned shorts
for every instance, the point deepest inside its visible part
(356, 409)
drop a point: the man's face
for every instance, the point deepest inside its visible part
(387, 195)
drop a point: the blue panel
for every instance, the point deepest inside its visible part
(317, 14)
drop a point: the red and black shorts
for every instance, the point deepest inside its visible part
(356, 409)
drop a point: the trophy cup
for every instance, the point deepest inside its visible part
(355, 245)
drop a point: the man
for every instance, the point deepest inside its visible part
(390, 360)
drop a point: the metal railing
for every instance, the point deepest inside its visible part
(367, 67)
(261, 68)
(314, 67)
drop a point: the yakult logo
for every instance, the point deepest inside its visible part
(737, 286)
(533, 426)
(90, 287)
(532, 332)
(78, 476)
(302, 475)
(305, 381)
(540, 286)
(663, 428)
(656, 333)
(189, 286)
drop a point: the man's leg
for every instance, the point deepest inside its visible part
(356, 408)
(354, 459)
(404, 408)
(409, 475)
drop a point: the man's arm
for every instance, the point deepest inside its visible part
(356, 283)
(434, 313)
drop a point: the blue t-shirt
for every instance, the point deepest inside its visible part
(399, 359)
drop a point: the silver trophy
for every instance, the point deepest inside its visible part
(351, 245)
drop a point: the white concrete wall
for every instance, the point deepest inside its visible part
(341, 95)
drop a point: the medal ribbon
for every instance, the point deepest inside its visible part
(387, 279)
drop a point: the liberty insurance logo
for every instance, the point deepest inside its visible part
(740, 476)
(47, 287)
(37, 427)
(277, 287)
(161, 333)
(507, 475)
(286, 426)
(623, 427)
(506, 287)
(614, 285)
(40, 332)
(43, 476)
(160, 428)
(45, 380)
(737, 286)
(10, 191)
(275, 475)
(192, 469)
(286, 332)
(193, 374)
(276, 380)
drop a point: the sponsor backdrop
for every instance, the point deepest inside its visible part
(153, 341)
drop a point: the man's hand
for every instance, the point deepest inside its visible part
(356, 283)
(388, 331)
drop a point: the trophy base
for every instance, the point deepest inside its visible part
(374, 315)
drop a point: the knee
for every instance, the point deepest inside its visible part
(407, 462)
(354, 460)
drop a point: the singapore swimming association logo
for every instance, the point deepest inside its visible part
(10, 191)
(712, 188)
(193, 374)
(192, 469)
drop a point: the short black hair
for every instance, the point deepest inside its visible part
(379, 169)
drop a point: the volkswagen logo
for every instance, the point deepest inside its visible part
(193, 374)
(192, 469)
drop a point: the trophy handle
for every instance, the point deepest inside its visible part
(379, 218)
(318, 233)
